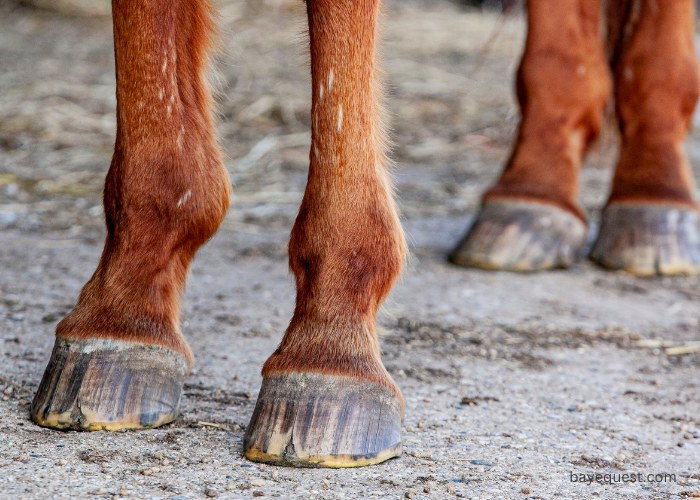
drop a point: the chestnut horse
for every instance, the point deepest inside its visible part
(120, 359)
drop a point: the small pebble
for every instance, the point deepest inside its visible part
(105, 464)
(146, 472)
(410, 493)
(95, 211)
(24, 447)
(451, 490)
(257, 482)
(688, 435)
(206, 460)
(211, 493)
(158, 456)
(274, 475)
(230, 486)
(420, 425)
(258, 493)
(8, 391)
(426, 489)
(525, 491)
(62, 461)
(21, 458)
(7, 218)
(694, 494)
(182, 460)
(426, 400)
(582, 406)
(100, 491)
(5, 398)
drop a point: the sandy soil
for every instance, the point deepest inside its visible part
(513, 382)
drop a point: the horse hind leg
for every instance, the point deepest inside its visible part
(651, 223)
(531, 220)
(120, 360)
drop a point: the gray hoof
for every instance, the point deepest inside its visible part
(521, 236)
(315, 420)
(647, 239)
(100, 384)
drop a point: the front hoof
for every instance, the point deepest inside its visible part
(521, 236)
(647, 239)
(99, 384)
(315, 420)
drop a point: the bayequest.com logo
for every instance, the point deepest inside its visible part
(628, 477)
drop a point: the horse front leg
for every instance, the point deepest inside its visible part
(120, 360)
(326, 399)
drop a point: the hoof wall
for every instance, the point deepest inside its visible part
(99, 384)
(313, 420)
(521, 236)
(648, 240)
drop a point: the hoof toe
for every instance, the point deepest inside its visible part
(314, 420)
(521, 236)
(648, 240)
(99, 384)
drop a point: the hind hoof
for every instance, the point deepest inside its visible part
(314, 420)
(521, 236)
(99, 384)
(648, 240)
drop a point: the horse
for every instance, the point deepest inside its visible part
(120, 359)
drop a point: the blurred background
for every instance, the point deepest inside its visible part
(449, 69)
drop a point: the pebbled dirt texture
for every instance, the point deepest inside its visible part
(513, 382)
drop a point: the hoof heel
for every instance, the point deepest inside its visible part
(99, 384)
(314, 420)
(521, 236)
(648, 239)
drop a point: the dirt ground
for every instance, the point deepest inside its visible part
(513, 382)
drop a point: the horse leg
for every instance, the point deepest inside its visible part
(531, 219)
(650, 224)
(326, 399)
(120, 360)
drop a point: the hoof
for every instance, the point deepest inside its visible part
(648, 240)
(99, 384)
(314, 420)
(521, 236)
